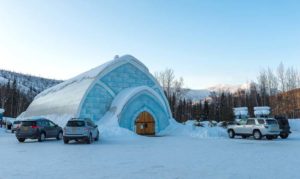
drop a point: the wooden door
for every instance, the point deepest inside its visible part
(145, 124)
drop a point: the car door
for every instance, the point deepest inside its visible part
(239, 128)
(50, 128)
(249, 126)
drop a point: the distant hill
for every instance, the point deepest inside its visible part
(201, 94)
(27, 83)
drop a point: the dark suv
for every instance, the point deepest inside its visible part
(284, 126)
(40, 129)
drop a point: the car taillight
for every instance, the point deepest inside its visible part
(34, 127)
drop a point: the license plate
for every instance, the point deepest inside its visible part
(25, 128)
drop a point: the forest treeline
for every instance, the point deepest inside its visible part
(267, 90)
(18, 91)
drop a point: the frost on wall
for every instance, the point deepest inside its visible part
(143, 102)
(126, 76)
(96, 103)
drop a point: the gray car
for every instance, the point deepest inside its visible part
(39, 128)
(256, 127)
(81, 129)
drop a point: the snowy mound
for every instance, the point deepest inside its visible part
(295, 124)
(189, 129)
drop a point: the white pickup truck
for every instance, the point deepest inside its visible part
(256, 127)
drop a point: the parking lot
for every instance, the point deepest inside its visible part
(151, 157)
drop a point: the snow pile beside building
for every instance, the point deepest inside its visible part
(189, 129)
(295, 124)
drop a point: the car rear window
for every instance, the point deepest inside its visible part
(28, 123)
(75, 124)
(271, 121)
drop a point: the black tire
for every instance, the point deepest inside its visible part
(269, 137)
(66, 141)
(59, 135)
(257, 135)
(42, 137)
(21, 140)
(284, 135)
(89, 140)
(231, 133)
(97, 137)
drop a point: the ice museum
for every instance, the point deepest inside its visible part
(123, 87)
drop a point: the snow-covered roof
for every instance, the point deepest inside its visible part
(122, 98)
(91, 74)
(66, 97)
(2, 110)
(262, 110)
(240, 111)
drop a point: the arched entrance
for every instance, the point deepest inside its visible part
(145, 124)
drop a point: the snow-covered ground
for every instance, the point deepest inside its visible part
(182, 152)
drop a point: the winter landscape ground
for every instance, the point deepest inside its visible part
(182, 152)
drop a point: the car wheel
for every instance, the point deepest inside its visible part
(97, 137)
(21, 139)
(66, 141)
(42, 137)
(257, 135)
(231, 134)
(89, 139)
(284, 135)
(270, 137)
(59, 135)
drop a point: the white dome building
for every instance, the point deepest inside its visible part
(122, 86)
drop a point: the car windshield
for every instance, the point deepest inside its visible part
(17, 122)
(28, 123)
(271, 121)
(75, 124)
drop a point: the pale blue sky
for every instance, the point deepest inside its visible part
(205, 42)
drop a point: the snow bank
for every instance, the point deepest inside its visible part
(189, 129)
(2, 110)
(295, 124)
(109, 127)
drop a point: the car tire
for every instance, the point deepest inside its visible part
(269, 137)
(284, 135)
(21, 140)
(89, 139)
(66, 141)
(59, 135)
(97, 137)
(257, 135)
(231, 134)
(42, 137)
